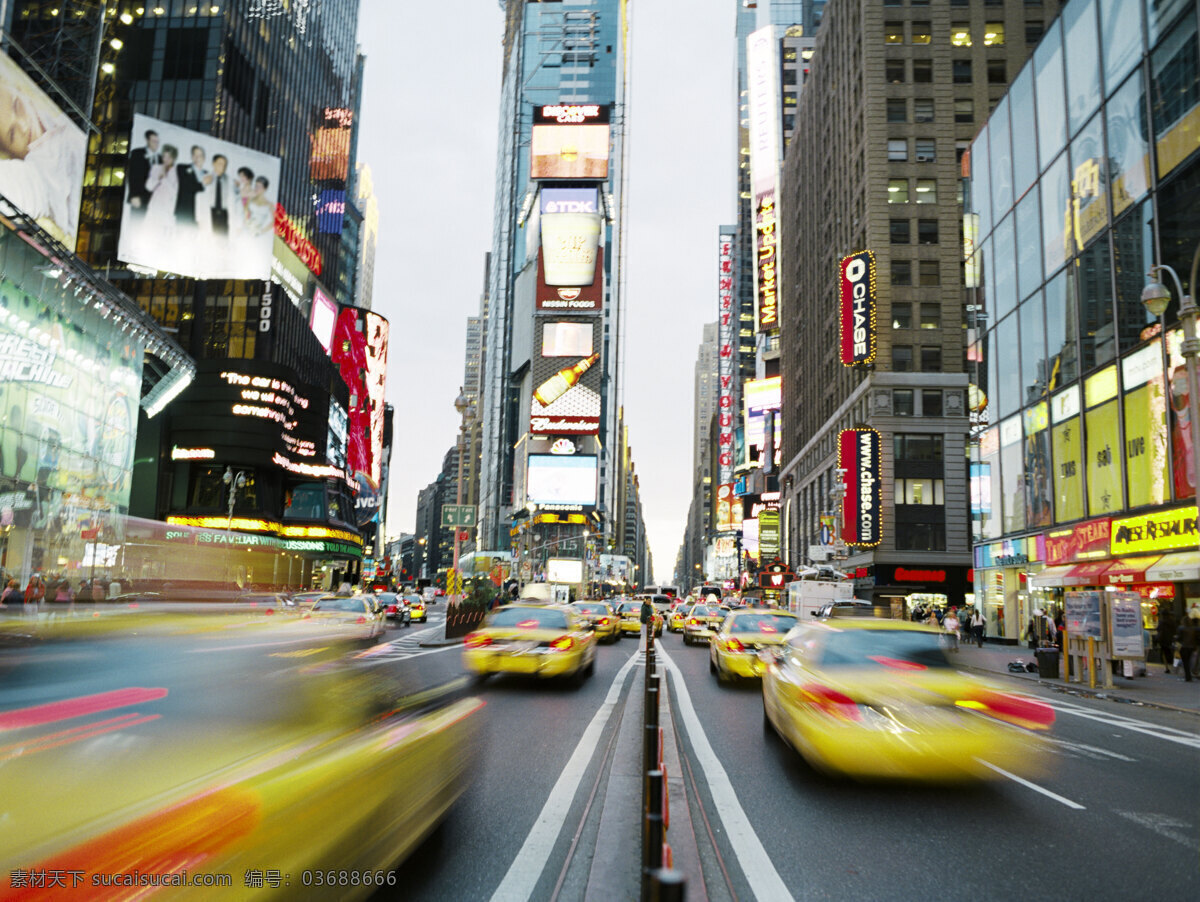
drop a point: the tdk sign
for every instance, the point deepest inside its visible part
(570, 200)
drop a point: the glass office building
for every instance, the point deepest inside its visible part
(1084, 176)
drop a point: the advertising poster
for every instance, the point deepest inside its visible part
(196, 205)
(569, 141)
(727, 330)
(323, 318)
(1068, 470)
(571, 299)
(1104, 459)
(349, 352)
(331, 145)
(1038, 504)
(570, 249)
(858, 308)
(41, 155)
(377, 330)
(762, 64)
(561, 479)
(858, 455)
(1183, 457)
(566, 381)
(564, 570)
(1146, 437)
(1083, 615)
(1125, 624)
(729, 509)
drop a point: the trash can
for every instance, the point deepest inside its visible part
(1047, 659)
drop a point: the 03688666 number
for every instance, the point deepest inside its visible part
(348, 878)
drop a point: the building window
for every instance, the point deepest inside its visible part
(931, 314)
(902, 315)
(922, 32)
(897, 191)
(897, 150)
(993, 34)
(893, 32)
(997, 72)
(927, 191)
(901, 273)
(897, 111)
(893, 72)
(902, 358)
(922, 71)
(917, 447)
(927, 231)
(931, 403)
(964, 111)
(960, 34)
(899, 231)
(930, 275)
(921, 537)
(931, 360)
(920, 491)
(1033, 32)
(207, 488)
(926, 150)
(902, 402)
(922, 109)
(961, 72)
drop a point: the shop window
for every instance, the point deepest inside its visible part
(897, 150)
(893, 32)
(964, 111)
(927, 231)
(922, 109)
(901, 272)
(920, 491)
(902, 315)
(931, 405)
(917, 447)
(960, 34)
(897, 110)
(926, 150)
(899, 231)
(931, 314)
(993, 34)
(897, 191)
(931, 359)
(930, 274)
(902, 358)
(927, 191)
(902, 402)
(922, 32)
(960, 72)
(922, 72)
(893, 72)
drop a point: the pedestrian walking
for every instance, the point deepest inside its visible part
(35, 591)
(1166, 635)
(950, 624)
(977, 626)
(11, 595)
(1188, 636)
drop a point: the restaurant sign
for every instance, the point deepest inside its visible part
(1155, 531)
(1081, 542)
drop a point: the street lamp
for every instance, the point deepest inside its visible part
(1156, 296)
(463, 406)
(234, 482)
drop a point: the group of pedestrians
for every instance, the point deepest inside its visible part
(969, 625)
(56, 589)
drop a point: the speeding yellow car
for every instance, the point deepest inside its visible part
(880, 699)
(602, 617)
(417, 610)
(535, 639)
(733, 650)
(678, 615)
(630, 613)
(701, 622)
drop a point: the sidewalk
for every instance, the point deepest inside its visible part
(1157, 689)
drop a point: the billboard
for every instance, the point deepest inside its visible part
(858, 455)
(196, 205)
(566, 386)
(564, 570)
(572, 299)
(857, 278)
(570, 248)
(569, 141)
(331, 211)
(567, 480)
(762, 73)
(323, 318)
(729, 509)
(569, 200)
(761, 398)
(377, 330)
(727, 331)
(41, 155)
(331, 145)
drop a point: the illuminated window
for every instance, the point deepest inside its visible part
(893, 32)
(931, 314)
(922, 32)
(897, 191)
(922, 109)
(926, 191)
(897, 150)
(920, 491)
(993, 34)
(960, 35)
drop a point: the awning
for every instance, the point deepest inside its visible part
(1184, 566)
(1084, 574)
(1129, 570)
(1051, 577)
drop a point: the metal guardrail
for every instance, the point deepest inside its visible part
(660, 883)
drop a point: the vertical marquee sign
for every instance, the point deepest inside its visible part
(858, 455)
(727, 329)
(858, 308)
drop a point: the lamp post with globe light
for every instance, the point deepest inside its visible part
(1156, 297)
(465, 413)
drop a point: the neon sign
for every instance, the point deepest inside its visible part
(289, 230)
(858, 308)
(858, 455)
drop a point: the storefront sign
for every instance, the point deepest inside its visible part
(858, 308)
(858, 456)
(904, 575)
(1084, 541)
(1157, 531)
(766, 262)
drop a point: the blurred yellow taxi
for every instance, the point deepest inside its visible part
(630, 613)
(535, 639)
(678, 615)
(879, 698)
(733, 650)
(417, 610)
(701, 621)
(359, 615)
(602, 618)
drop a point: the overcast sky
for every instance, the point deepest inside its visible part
(428, 131)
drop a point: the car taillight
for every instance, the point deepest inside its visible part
(477, 640)
(734, 645)
(562, 643)
(692, 621)
(830, 701)
(270, 610)
(391, 609)
(1014, 709)
(361, 619)
(603, 621)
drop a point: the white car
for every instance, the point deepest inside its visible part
(359, 615)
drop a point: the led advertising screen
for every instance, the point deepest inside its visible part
(561, 479)
(323, 318)
(858, 455)
(727, 330)
(331, 211)
(376, 328)
(570, 141)
(573, 299)
(196, 205)
(858, 308)
(331, 145)
(41, 155)
(762, 66)
(566, 386)
(570, 248)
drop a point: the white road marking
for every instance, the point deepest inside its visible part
(1163, 826)
(1042, 789)
(1170, 734)
(525, 871)
(756, 864)
(1090, 750)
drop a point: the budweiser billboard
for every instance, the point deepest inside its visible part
(858, 308)
(858, 457)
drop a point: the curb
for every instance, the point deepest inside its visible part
(1098, 693)
(439, 643)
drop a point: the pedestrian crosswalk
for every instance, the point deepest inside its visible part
(408, 643)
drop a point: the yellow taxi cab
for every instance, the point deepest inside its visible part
(602, 617)
(701, 621)
(630, 612)
(418, 613)
(535, 639)
(733, 650)
(880, 699)
(678, 615)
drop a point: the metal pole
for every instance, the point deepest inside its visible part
(456, 597)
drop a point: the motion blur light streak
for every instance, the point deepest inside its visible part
(77, 707)
(93, 730)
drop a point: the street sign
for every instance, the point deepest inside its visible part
(455, 515)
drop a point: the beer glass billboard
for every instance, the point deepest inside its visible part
(41, 155)
(570, 141)
(196, 205)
